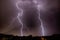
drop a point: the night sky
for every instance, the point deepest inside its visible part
(49, 14)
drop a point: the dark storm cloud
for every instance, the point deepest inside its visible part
(50, 17)
(30, 17)
(7, 13)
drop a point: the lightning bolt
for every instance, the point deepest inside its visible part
(20, 15)
(39, 7)
(42, 27)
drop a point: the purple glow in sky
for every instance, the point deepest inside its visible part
(14, 13)
(20, 14)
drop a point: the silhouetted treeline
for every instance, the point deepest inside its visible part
(30, 37)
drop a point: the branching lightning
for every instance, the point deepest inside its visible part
(21, 13)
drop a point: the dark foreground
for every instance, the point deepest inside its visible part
(30, 37)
